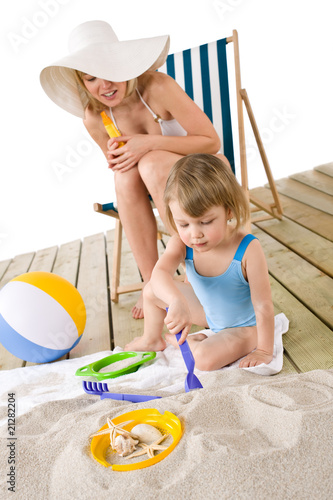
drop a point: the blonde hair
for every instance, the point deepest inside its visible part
(88, 99)
(200, 181)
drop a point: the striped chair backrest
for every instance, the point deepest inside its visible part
(203, 73)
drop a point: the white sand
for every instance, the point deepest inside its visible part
(245, 437)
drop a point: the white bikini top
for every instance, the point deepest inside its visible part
(168, 127)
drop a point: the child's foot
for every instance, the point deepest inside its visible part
(171, 339)
(140, 344)
(137, 311)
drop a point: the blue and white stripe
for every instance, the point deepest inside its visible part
(202, 72)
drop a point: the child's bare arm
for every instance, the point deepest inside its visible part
(257, 275)
(164, 287)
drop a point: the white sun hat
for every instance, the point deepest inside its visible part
(95, 50)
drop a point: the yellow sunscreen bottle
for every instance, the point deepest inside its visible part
(110, 127)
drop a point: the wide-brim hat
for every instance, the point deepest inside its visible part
(95, 50)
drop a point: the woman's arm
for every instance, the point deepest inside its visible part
(258, 278)
(94, 125)
(169, 101)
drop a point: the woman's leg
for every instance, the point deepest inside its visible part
(137, 217)
(154, 169)
(139, 224)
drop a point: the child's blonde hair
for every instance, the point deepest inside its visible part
(201, 181)
(88, 99)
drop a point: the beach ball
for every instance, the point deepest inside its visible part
(42, 316)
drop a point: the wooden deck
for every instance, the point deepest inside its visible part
(299, 252)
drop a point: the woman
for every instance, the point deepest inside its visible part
(159, 123)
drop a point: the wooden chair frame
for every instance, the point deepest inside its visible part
(273, 210)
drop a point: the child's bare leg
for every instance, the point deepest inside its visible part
(221, 349)
(154, 310)
(195, 337)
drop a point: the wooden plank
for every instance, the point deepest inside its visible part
(92, 285)
(3, 267)
(303, 280)
(312, 247)
(319, 222)
(326, 168)
(308, 342)
(316, 180)
(43, 260)
(305, 194)
(288, 366)
(19, 265)
(67, 261)
(125, 328)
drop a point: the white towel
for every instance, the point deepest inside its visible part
(281, 324)
(163, 375)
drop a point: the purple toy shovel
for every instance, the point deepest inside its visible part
(101, 389)
(191, 381)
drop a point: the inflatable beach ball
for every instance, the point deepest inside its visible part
(42, 316)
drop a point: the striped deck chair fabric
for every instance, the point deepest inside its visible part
(203, 73)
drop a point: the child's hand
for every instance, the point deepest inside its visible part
(178, 318)
(256, 358)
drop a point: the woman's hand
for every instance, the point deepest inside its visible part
(256, 358)
(125, 157)
(178, 318)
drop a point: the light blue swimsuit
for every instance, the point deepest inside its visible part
(226, 298)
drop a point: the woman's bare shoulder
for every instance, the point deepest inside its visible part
(91, 117)
(94, 125)
(155, 81)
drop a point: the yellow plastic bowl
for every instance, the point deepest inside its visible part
(167, 423)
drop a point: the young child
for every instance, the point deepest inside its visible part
(228, 290)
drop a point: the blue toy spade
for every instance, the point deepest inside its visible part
(191, 381)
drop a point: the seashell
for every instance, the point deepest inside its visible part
(124, 445)
(146, 433)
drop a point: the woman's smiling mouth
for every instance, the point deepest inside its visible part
(109, 94)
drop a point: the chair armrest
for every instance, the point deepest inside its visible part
(106, 209)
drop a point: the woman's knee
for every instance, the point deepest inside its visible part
(154, 168)
(147, 164)
(128, 184)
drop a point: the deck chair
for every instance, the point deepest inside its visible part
(203, 73)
